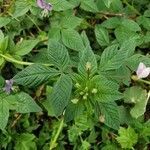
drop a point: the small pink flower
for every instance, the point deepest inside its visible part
(8, 86)
(42, 4)
(142, 71)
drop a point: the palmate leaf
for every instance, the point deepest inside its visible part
(23, 103)
(34, 75)
(107, 90)
(110, 113)
(112, 58)
(58, 55)
(59, 97)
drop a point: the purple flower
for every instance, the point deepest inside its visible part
(142, 71)
(42, 4)
(8, 86)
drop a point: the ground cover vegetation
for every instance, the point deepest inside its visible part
(74, 74)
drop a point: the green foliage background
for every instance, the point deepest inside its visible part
(74, 75)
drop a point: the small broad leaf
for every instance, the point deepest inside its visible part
(34, 75)
(101, 35)
(24, 47)
(89, 5)
(54, 34)
(110, 113)
(60, 5)
(4, 111)
(72, 21)
(23, 103)
(139, 98)
(72, 39)
(111, 23)
(123, 33)
(127, 137)
(131, 25)
(21, 7)
(60, 95)
(4, 21)
(58, 55)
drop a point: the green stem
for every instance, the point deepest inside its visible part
(13, 60)
(131, 7)
(53, 142)
(135, 78)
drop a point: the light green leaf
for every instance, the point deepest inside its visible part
(70, 21)
(102, 35)
(54, 34)
(89, 5)
(109, 112)
(4, 111)
(60, 95)
(21, 8)
(72, 39)
(25, 47)
(60, 5)
(111, 23)
(127, 137)
(131, 25)
(4, 21)
(123, 33)
(139, 98)
(34, 75)
(23, 103)
(58, 55)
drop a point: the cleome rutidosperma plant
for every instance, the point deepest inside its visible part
(74, 74)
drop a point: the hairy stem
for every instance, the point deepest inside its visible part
(13, 60)
(54, 140)
(135, 78)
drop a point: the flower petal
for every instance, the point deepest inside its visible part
(140, 69)
(144, 73)
(40, 3)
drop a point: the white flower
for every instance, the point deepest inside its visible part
(142, 71)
